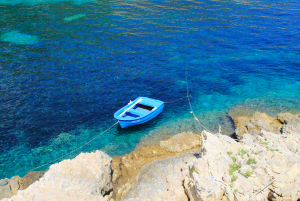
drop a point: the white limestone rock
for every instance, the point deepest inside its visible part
(225, 167)
(86, 177)
(161, 180)
(5, 190)
(286, 118)
(261, 163)
(9, 187)
(291, 123)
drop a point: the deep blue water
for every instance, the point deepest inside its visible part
(62, 80)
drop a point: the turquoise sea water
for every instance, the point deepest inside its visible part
(67, 66)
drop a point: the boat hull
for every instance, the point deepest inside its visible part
(127, 123)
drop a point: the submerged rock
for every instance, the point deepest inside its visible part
(19, 38)
(74, 17)
(181, 142)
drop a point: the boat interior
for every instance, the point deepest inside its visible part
(138, 110)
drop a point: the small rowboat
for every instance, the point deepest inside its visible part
(139, 111)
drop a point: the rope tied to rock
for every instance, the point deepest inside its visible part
(192, 111)
(201, 189)
(210, 192)
(213, 178)
(272, 181)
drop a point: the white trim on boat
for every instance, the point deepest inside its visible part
(130, 107)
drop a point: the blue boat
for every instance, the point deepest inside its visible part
(139, 111)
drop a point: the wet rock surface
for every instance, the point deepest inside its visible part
(30, 178)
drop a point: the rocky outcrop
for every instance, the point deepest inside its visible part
(225, 169)
(240, 121)
(30, 178)
(229, 167)
(287, 118)
(262, 165)
(10, 187)
(284, 123)
(86, 177)
(89, 176)
(127, 167)
(291, 123)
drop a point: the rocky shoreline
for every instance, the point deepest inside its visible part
(184, 167)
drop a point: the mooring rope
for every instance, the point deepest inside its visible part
(196, 184)
(65, 154)
(176, 99)
(192, 111)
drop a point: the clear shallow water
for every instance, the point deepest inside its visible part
(62, 80)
